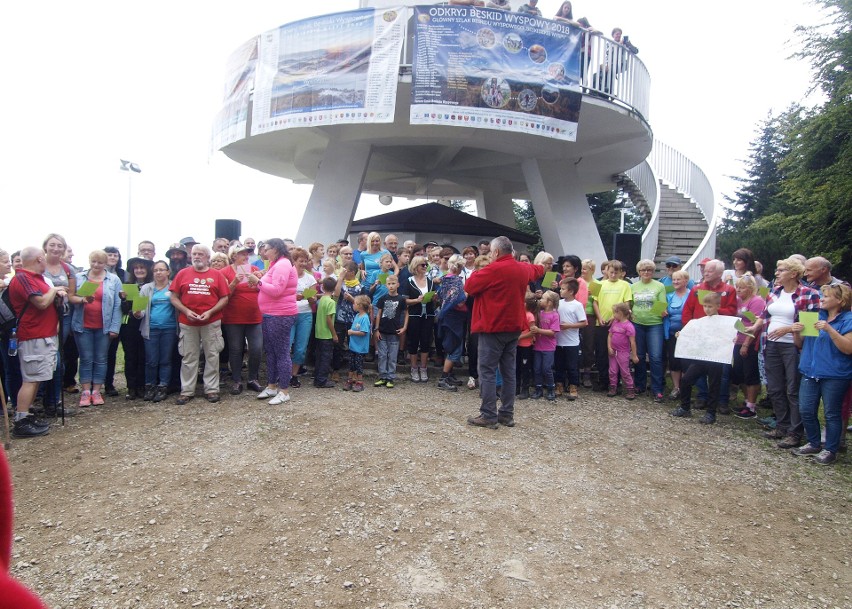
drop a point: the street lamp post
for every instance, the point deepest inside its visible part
(130, 168)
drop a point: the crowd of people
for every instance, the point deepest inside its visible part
(541, 329)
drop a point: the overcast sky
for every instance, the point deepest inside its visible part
(85, 84)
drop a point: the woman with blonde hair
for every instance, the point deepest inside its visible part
(673, 323)
(96, 321)
(649, 293)
(826, 367)
(421, 316)
(786, 300)
(745, 371)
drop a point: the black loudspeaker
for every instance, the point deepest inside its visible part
(627, 247)
(229, 229)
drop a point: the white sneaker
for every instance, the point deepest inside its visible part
(266, 394)
(415, 375)
(424, 376)
(471, 382)
(279, 398)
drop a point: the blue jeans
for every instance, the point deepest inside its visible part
(831, 391)
(543, 368)
(387, 349)
(649, 341)
(497, 350)
(93, 346)
(300, 335)
(158, 355)
(724, 386)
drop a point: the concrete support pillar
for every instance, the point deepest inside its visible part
(493, 205)
(564, 218)
(336, 191)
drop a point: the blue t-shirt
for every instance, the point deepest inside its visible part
(360, 344)
(162, 311)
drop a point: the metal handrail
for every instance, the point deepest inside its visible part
(674, 168)
(645, 180)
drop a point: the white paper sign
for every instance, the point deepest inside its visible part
(708, 339)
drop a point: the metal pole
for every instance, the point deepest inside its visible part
(128, 251)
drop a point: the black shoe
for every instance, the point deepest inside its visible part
(130, 395)
(295, 382)
(454, 381)
(481, 422)
(680, 411)
(254, 386)
(445, 384)
(326, 385)
(111, 392)
(150, 392)
(237, 389)
(708, 419)
(537, 394)
(524, 394)
(506, 421)
(184, 399)
(160, 394)
(551, 393)
(29, 427)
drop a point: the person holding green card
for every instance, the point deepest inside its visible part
(419, 290)
(139, 270)
(649, 308)
(306, 299)
(826, 368)
(786, 300)
(745, 370)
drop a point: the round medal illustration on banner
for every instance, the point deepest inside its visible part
(537, 53)
(512, 42)
(527, 100)
(495, 92)
(486, 38)
(550, 94)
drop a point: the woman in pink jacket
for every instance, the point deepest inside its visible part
(277, 301)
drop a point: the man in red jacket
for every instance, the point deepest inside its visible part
(498, 318)
(693, 309)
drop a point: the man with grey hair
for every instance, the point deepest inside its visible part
(498, 318)
(146, 250)
(391, 245)
(199, 293)
(818, 273)
(693, 309)
(34, 303)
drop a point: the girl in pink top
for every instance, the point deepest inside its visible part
(621, 343)
(524, 353)
(544, 349)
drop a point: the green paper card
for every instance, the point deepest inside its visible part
(749, 316)
(428, 296)
(548, 279)
(383, 278)
(309, 293)
(670, 289)
(87, 289)
(740, 326)
(131, 289)
(763, 292)
(808, 319)
(140, 303)
(702, 294)
(658, 308)
(594, 288)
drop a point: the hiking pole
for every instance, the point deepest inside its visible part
(8, 443)
(60, 361)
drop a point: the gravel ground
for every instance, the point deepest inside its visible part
(386, 499)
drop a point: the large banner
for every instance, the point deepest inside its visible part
(328, 70)
(487, 68)
(232, 119)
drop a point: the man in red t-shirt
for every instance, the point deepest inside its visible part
(38, 322)
(498, 318)
(199, 293)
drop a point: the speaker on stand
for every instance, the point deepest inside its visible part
(627, 247)
(228, 229)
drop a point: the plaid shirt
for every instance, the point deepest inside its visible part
(804, 299)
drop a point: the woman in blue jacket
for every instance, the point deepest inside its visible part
(826, 367)
(96, 322)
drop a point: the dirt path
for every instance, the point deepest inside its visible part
(387, 500)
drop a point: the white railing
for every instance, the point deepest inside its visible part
(686, 177)
(645, 180)
(610, 70)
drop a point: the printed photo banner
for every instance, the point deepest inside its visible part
(493, 69)
(232, 119)
(329, 70)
